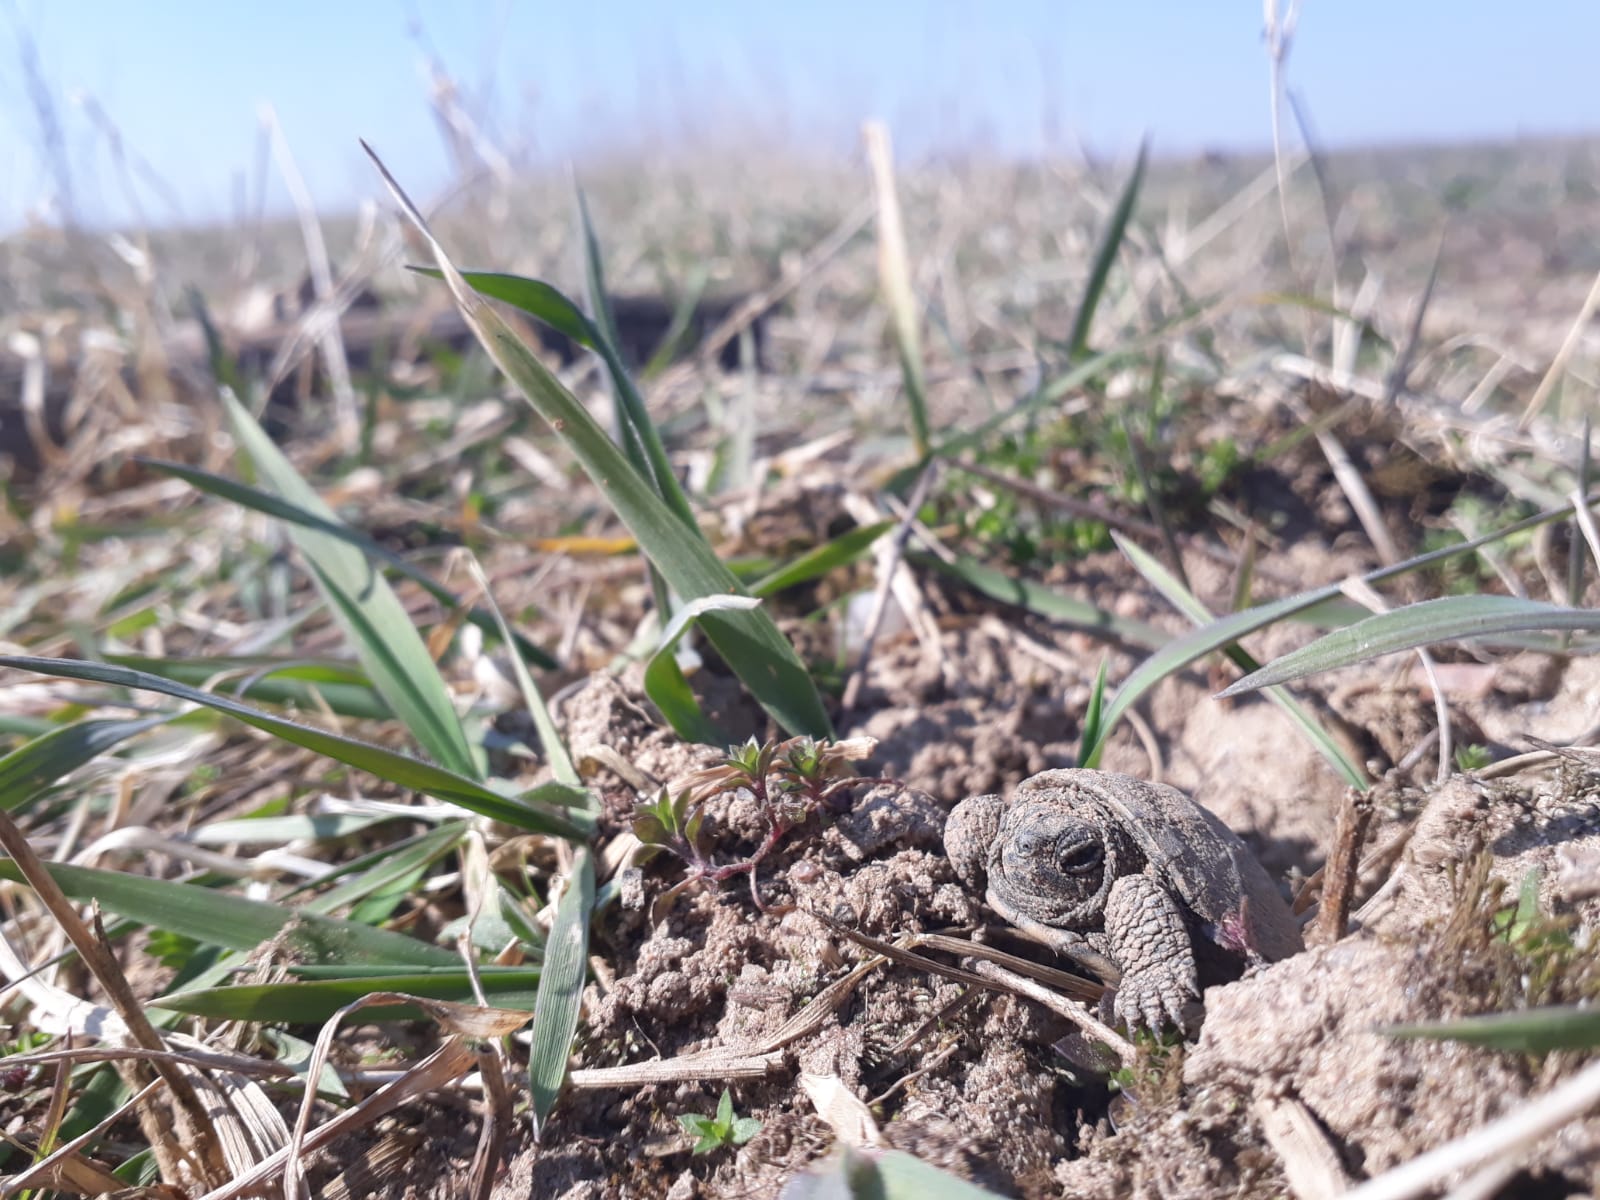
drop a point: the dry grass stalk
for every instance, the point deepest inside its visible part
(190, 1148)
(331, 341)
(1342, 871)
(1509, 1136)
(461, 1023)
(1558, 365)
(1310, 1163)
(1087, 1022)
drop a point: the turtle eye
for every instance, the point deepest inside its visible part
(1080, 858)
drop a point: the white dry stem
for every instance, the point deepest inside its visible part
(1512, 1134)
(1310, 1163)
(444, 1065)
(58, 1012)
(1231, 211)
(1558, 365)
(144, 840)
(841, 1110)
(891, 568)
(247, 1124)
(1076, 1012)
(330, 341)
(1585, 519)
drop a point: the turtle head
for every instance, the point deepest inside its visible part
(1052, 864)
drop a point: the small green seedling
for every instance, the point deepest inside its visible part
(790, 780)
(724, 1129)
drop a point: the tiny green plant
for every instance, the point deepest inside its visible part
(791, 781)
(724, 1129)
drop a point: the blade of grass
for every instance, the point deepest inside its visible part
(762, 658)
(682, 317)
(36, 764)
(1105, 257)
(1045, 601)
(377, 760)
(561, 767)
(1426, 623)
(1535, 1031)
(664, 680)
(385, 641)
(561, 988)
(284, 510)
(308, 1001)
(380, 870)
(1185, 602)
(304, 684)
(1093, 737)
(277, 831)
(566, 959)
(855, 1174)
(634, 431)
(845, 548)
(1326, 603)
(234, 923)
(894, 277)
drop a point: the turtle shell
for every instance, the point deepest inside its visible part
(1203, 861)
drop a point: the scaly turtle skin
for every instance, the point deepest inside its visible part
(1122, 876)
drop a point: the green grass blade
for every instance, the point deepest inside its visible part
(566, 775)
(844, 549)
(35, 765)
(566, 959)
(664, 681)
(635, 431)
(894, 278)
(1046, 602)
(234, 923)
(380, 870)
(748, 641)
(1105, 257)
(376, 623)
(538, 299)
(419, 697)
(302, 683)
(311, 1001)
(1325, 602)
(284, 510)
(545, 303)
(377, 760)
(1424, 624)
(1093, 739)
(1185, 602)
(224, 366)
(1534, 1031)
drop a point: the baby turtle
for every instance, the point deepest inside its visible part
(1132, 880)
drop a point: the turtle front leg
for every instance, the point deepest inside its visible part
(1150, 942)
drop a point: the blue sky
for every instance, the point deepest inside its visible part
(183, 80)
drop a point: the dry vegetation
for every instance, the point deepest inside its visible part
(1112, 458)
